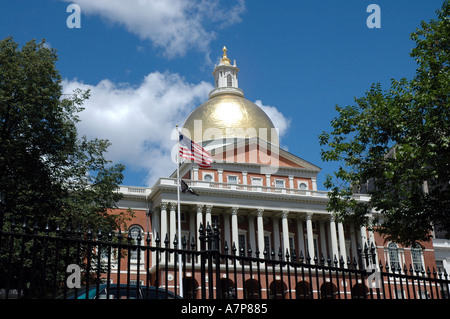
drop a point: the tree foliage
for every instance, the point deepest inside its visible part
(395, 145)
(46, 170)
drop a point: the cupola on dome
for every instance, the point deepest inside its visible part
(227, 114)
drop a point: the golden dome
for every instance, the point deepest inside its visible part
(229, 116)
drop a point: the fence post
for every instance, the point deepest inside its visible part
(202, 239)
(216, 237)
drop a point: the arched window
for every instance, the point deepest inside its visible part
(393, 256)
(416, 256)
(135, 232)
(229, 80)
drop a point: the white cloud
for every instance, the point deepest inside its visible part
(278, 119)
(139, 120)
(176, 26)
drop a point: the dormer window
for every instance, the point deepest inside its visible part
(229, 80)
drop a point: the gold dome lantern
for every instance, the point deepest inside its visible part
(227, 114)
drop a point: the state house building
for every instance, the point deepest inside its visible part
(258, 194)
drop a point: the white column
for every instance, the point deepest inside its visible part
(314, 183)
(323, 243)
(208, 216)
(285, 229)
(334, 243)
(220, 176)
(291, 181)
(163, 232)
(195, 173)
(363, 237)
(342, 247)
(310, 236)
(276, 235)
(251, 231)
(234, 228)
(173, 223)
(301, 238)
(260, 224)
(268, 180)
(199, 221)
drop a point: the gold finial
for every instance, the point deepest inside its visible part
(225, 59)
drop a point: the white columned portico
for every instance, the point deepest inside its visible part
(310, 236)
(334, 243)
(173, 224)
(163, 211)
(285, 229)
(260, 225)
(234, 227)
(342, 247)
(199, 221)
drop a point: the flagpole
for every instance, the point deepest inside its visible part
(180, 275)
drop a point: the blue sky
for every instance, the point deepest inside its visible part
(148, 63)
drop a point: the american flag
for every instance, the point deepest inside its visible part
(191, 150)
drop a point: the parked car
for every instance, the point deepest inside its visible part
(113, 291)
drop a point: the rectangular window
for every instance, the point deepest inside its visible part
(232, 179)
(279, 183)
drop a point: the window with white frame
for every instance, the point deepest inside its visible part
(302, 185)
(135, 232)
(229, 80)
(279, 183)
(417, 257)
(394, 258)
(232, 179)
(208, 177)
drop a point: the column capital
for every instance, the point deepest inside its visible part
(200, 208)
(163, 205)
(208, 208)
(173, 205)
(284, 213)
(260, 212)
(234, 210)
(309, 216)
(332, 218)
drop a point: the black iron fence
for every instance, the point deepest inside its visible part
(41, 262)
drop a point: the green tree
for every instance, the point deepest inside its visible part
(46, 170)
(397, 142)
(48, 174)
